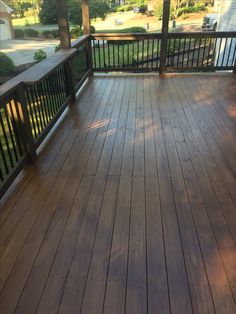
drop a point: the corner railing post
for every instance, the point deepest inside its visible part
(70, 80)
(24, 126)
(90, 56)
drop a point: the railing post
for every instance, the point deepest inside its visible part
(24, 126)
(164, 37)
(90, 56)
(70, 81)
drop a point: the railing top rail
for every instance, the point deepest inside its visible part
(130, 36)
(203, 34)
(80, 41)
(125, 36)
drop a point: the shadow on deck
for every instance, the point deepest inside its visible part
(131, 206)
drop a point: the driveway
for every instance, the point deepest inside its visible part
(22, 51)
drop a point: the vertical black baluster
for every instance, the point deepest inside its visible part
(189, 48)
(53, 109)
(194, 48)
(52, 92)
(6, 141)
(109, 55)
(39, 105)
(133, 42)
(31, 112)
(209, 51)
(168, 52)
(114, 52)
(183, 51)
(128, 56)
(147, 58)
(99, 54)
(118, 47)
(138, 53)
(142, 52)
(123, 53)
(43, 101)
(48, 104)
(1, 174)
(178, 56)
(204, 50)
(153, 40)
(16, 116)
(219, 49)
(230, 47)
(199, 51)
(94, 53)
(4, 157)
(225, 47)
(173, 55)
(34, 96)
(234, 54)
(11, 134)
(104, 56)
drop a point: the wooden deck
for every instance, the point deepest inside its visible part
(131, 205)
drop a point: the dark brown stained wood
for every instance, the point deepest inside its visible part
(130, 206)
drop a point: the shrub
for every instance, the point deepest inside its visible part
(124, 8)
(57, 48)
(30, 32)
(19, 33)
(7, 66)
(142, 8)
(39, 55)
(92, 29)
(135, 29)
(55, 33)
(47, 33)
(76, 32)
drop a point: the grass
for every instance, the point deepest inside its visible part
(26, 21)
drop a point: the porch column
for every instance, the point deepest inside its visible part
(86, 29)
(165, 29)
(85, 16)
(63, 24)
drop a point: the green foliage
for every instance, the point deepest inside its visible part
(57, 48)
(129, 30)
(92, 29)
(40, 55)
(48, 13)
(19, 33)
(176, 11)
(30, 32)
(55, 33)
(7, 66)
(97, 8)
(124, 8)
(47, 33)
(76, 32)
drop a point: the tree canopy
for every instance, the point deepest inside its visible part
(98, 8)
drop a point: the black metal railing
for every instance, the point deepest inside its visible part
(126, 52)
(32, 102)
(202, 51)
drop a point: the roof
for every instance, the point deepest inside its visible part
(7, 8)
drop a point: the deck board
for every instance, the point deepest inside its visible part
(131, 204)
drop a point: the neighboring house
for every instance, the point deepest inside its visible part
(227, 22)
(6, 27)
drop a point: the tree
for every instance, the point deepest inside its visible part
(97, 8)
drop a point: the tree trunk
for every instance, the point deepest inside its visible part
(86, 18)
(63, 24)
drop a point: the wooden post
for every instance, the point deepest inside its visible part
(164, 39)
(86, 18)
(86, 29)
(63, 24)
(70, 81)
